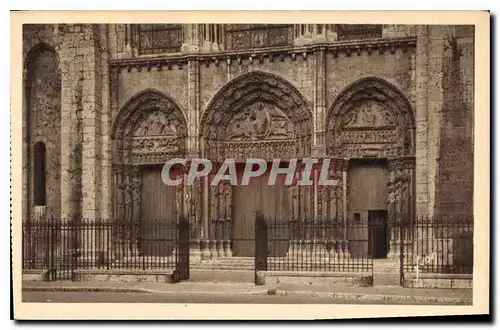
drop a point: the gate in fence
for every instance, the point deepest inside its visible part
(62, 248)
(312, 246)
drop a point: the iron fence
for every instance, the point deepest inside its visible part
(66, 246)
(438, 245)
(318, 245)
(427, 245)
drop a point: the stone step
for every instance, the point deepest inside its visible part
(217, 264)
(229, 269)
(218, 261)
(221, 276)
(386, 279)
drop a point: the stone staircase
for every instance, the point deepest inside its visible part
(225, 263)
(386, 272)
(226, 269)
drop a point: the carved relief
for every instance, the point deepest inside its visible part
(257, 115)
(369, 114)
(370, 119)
(165, 145)
(159, 38)
(369, 136)
(368, 130)
(242, 36)
(157, 123)
(258, 122)
(152, 129)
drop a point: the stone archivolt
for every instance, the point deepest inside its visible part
(370, 118)
(257, 115)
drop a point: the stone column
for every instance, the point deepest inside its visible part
(211, 37)
(421, 118)
(400, 205)
(228, 252)
(132, 36)
(393, 206)
(293, 201)
(192, 207)
(344, 248)
(191, 33)
(314, 33)
(214, 199)
(205, 253)
(135, 221)
(319, 103)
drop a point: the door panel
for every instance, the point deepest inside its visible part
(272, 200)
(157, 214)
(245, 207)
(367, 191)
(377, 235)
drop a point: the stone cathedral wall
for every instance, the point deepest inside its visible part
(101, 70)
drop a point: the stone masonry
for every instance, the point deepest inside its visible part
(79, 77)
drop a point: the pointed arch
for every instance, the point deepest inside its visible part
(262, 109)
(149, 128)
(368, 112)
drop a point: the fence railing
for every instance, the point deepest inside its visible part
(315, 245)
(442, 246)
(427, 245)
(424, 245)
(95, 244)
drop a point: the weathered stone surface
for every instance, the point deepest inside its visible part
(92, 71)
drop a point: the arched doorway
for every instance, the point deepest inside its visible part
(148, 130)
(371, 126)
(256, 115)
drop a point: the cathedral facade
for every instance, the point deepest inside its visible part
(106, 105)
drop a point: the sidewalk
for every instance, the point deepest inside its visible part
(375, 294)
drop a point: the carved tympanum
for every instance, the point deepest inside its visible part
(259, 122)
(151, 129)
(157, 123)
(368, 114)
(370, 118)
(257, 115)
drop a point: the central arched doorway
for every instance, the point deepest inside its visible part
(256, 115)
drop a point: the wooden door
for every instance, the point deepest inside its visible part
(377, 234)
(272, 200)
(245, 206)
(158, 202)
(367, 191)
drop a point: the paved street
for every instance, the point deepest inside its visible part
(133, 297)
